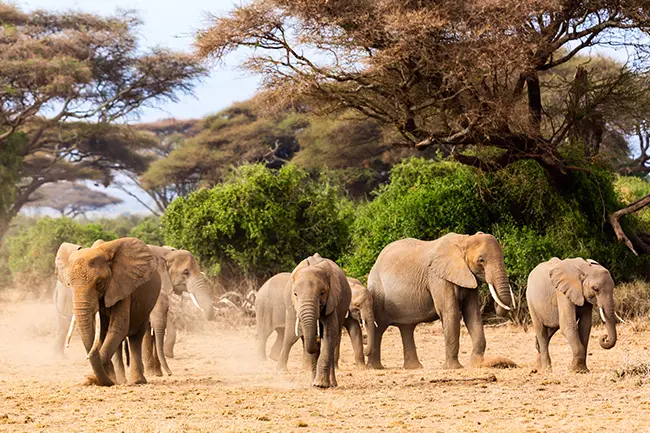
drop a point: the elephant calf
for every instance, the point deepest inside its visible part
(561, 295)
(316, 299)
(270, 314)
(360, 315)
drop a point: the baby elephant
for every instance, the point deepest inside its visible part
(360, 315)
(560, 295)
(317, 297)
(270, 314)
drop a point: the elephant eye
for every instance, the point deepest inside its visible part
(295, 294)
(595, 288)
(186, 272)
(481, 260)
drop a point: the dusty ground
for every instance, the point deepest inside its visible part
(218, 386)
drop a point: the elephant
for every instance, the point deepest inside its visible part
(360, 315)
(317, 297)
(179, 272)
(415, 281)
(270, 314)
(114, 288)
(561, 295)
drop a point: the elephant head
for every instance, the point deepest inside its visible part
(461, 259)
(100, 277)
(315, 294)
(585, 280)
(361, 309)
(185, 274)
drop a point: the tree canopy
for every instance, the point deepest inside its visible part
(71, 199)
(65, 80)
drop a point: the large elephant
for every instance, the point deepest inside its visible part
(270, 313)
(317, 298)
(561, 295)
(114, 287)
(416, 281)
(179, 272)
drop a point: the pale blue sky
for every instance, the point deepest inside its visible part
(170, 24)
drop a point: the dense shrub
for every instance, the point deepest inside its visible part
(149, 231)
(259, 221)
(32, 250)
(533, 219)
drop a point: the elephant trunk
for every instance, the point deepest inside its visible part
(159, 335)
(608, 341)
(500, 291)
(309, 318)
(199, 289)
(368, 317)
(85, 308)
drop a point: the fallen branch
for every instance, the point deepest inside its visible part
(489, 378)
(614, 220)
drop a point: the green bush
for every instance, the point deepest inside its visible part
(32, 251)
(533, 219)
(149, 231)
(259, 221)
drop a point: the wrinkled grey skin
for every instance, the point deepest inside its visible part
(179, 272)
(561, 295)
(62, 301)
(416, 281)
(116, 281)
(318, 296)
(360, 315)
(270, 314)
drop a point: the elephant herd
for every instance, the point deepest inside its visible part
(118, 292)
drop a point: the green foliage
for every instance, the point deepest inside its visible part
(149, 231)
(32, 251)
(630, 189)
(533, 219)
(11, 162)
(260, 221)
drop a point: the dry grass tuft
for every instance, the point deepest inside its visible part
(641, 370)
(633, 299)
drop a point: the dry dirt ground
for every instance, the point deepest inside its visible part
(218, 386)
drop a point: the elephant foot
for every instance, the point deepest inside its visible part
(375, 364)
(138, 381)
(323, 382)
(169, 355)
(452, 365)
(360, 365)
(412, 364)
(579, 368)
(91, 380)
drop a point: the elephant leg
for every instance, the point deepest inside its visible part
(136, 369)
(170, 337)
(263, 334)
(118, 363)
(542, 339)
(290, 339)
(569, 327)
(277, 346)
(63, 325)
(473, 322)
(149, 354)
(325, 375)
(356, 338)
(451, 331)
(584, 328)
(408, 342)
(374, 356)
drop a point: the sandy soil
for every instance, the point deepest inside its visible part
(218, 386)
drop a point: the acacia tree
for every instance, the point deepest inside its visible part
(448, 74)
(484, 81)
(66, 81)
(71, 199)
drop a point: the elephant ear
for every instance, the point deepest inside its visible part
(448, 261)
(63, 253)
(132, 265)
(97, 242)
(567, 278)
(338, 281)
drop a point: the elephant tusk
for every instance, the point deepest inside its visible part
(297, 322)
(363, 323)
(376, 326)
(619, 317)
(318, 329)
(496, 298)
(98, 331)
(347, 314)
(512, 296)
(70, 330)
(152, 332)
(193, 298)
(602, 314)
